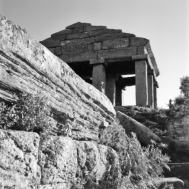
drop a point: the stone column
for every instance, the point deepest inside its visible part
(141, 83)
(111, 89)
(155, 96)
(151, 90)
(118, 95)
(99, 77)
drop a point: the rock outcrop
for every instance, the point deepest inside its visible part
(143, 134)
(28, 161)
(27, 66)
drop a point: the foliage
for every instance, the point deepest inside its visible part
(179, 110)
(139, 165)
(29, 113)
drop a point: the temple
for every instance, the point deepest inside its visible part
(103, 56)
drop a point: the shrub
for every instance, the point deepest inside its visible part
(139, 165)
(28, 113)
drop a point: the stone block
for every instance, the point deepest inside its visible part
(50, 43)
(115, 44)
(141, 50)
(106, 37)
(78, 41)
(77, 36)
(63, 32)
(97, 46)
(138, 41)
(58, 51)
(78, 24)
(94, 33)
(77, 30)
(77, 48)
(92, 28)
(118, 53)
(59, 37)
(78, 57)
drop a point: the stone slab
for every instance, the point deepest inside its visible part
(118, 53)
(77, 36)
(76, 48)
(106, 37)
(115, 44)
(77, 30)
(78, 57)
(78, 41)
(49, 42)
(59, 37)
(92, 28)
(63, 32)
(94, 33)
(138, 41)
(78, 24)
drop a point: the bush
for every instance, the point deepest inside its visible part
(139, 165)
(29, 113)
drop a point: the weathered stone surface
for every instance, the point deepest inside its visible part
(28, 161)
(76, 48)
(99, 77)
(77, 30)
(115, 44)
(118, 53)
(91, 28)
(143, 134)
(106, 37)
(97, 46)
(153, 60)
(60, 37)
(141, 82)
(78, 24)
(77, 36)
(78, 41)
(58, 160)
(78, 56)
(138, 41)
(58, 51)
(19, 167)
(94, 33)
(63, 32)
(28, 66)
(50, 42)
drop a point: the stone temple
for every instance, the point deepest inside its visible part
(102, 56)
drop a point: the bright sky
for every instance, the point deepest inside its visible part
(164, 22)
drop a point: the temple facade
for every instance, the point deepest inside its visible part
(103, 56)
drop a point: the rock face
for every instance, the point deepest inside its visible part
(143, 134)
(28, 161)
(27, 66)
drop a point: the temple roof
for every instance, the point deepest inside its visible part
(81, 42)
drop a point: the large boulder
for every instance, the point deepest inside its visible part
(53, 162)
(27, 66)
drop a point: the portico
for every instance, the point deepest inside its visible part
(102, 56)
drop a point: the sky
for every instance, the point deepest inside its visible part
(164, 22)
